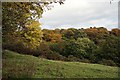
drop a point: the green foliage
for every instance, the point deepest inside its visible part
(22, 33)
(24, 41)
(72, 58)
(17, 14)
(81, 48)
(109, 49)
(20, 23)
(43, 50)
(21, 19)
(85, 61)
(55, 56)
(107, 62)
(72, 33)
(57, 47)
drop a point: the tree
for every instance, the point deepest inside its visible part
(32, 35)
(109, 49)
(72, 33)
(116, 32)
(51, 35)
(16, 14)
(25, 41)
(81, 48)
(97, 34)
(20, 18)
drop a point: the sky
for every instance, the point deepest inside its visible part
(82, 14)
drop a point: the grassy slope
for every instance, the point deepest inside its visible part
(17, 65)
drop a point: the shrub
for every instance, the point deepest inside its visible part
(72, 58)
(55, 56)
(42, 50)
(85, 61)
(107, 62)
(57, 47)
(18, 47)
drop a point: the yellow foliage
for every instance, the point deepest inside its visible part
(33, 35)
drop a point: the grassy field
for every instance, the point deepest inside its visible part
(24, 66)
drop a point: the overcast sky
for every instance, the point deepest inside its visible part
(82, 14)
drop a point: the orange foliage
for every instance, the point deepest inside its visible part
(54, 37)
(116, 31)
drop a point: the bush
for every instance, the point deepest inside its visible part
(42, 50)
(85, 61)
(19, 47)
(57, 47)
(55, 56)
(107, 62)
(72, 58)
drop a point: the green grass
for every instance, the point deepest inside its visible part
(19, 65)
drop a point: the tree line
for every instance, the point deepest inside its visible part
(21, 32)
(91, 45)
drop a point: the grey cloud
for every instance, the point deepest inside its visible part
(100, 12)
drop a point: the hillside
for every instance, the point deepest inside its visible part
(19, 65)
